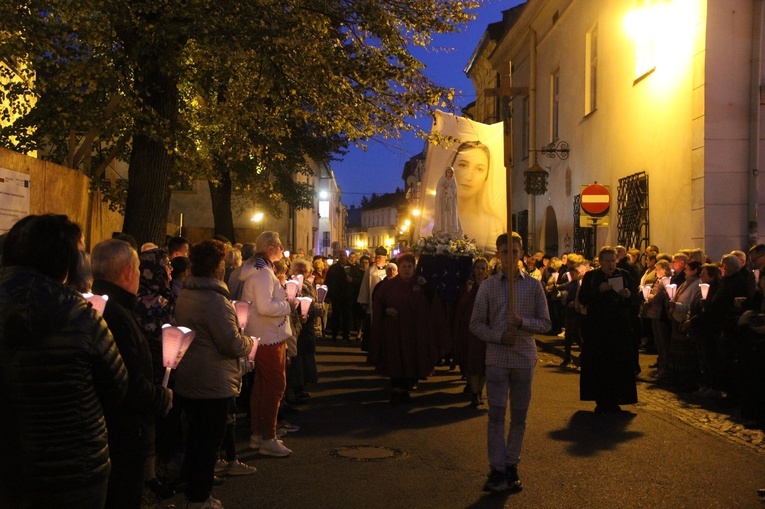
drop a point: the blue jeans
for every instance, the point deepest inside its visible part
(503, 385)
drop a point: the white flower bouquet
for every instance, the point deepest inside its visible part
(452, 247)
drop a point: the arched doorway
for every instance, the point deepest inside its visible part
(549, 238)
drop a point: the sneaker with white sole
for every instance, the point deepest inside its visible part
(274, 447)
(236, 467)
(255, 442)
(220, 466)
(210, 503)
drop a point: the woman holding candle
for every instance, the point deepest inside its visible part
(208, 377)
(653, 310)
(302, 369)
(268, 320)
(683, 361)
(704, 333)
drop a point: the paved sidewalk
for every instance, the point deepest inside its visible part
(702, 413)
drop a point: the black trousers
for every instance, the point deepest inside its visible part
(207, 425)
(126, 480)
(342, 317)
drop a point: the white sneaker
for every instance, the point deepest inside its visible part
(236, 467)
(220, 466)
(210, 503)
(255, 442)
(274, 447)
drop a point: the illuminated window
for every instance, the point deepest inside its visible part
(591, 72)
(323, 208)
(641, 24)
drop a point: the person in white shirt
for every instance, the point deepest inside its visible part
(374, 274)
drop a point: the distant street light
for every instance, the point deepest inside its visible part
(257, 218)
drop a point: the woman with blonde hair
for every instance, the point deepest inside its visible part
(268, 320)
(653, 310)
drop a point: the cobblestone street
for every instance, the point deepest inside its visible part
(687, 407)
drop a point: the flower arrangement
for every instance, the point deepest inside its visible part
(452, 247)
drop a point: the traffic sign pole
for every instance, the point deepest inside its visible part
(595, 202)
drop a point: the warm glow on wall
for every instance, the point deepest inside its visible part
(663, 34)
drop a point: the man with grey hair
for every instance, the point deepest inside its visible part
(131, 424)
(723, 310)
(746, 272)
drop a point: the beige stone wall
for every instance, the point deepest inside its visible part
(59, 190)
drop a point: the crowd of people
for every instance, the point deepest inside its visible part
(70, 373)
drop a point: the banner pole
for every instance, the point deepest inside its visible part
(509, 271)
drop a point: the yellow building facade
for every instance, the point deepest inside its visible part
(657, 99)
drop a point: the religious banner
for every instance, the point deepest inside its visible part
(14, 198)
(463, 186)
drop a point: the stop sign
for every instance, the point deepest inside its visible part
(595, 200)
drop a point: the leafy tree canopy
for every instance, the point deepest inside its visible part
(262, 85)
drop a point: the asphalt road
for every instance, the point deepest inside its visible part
(436, 448)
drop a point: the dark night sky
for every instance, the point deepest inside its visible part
(379, 168)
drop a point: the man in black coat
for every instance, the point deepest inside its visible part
(340, 294)
(607, 375)
(131, 424)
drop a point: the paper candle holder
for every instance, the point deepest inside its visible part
(305, 305)
(242, 308)
(293, 289)
(646, 289)
(671, 291)
(299, 279)
(665, 280)
(175, 342)
(97, 301)
(704, 290)
(321, 292)
(255, 343)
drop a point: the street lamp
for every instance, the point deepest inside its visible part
(257, 218)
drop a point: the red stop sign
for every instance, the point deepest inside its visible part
(595, 200)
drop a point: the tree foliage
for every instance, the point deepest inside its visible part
(225, 89)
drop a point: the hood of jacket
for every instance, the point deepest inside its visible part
(206, 283)
(249, 269)
(34, 305)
